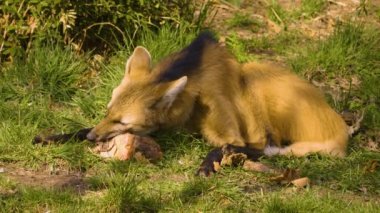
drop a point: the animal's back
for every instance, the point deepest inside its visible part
(295, 111)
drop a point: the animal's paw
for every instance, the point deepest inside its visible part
(207, 169)
(44, 140)
(38, 139)
(211, 163)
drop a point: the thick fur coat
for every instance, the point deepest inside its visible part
(204, 89)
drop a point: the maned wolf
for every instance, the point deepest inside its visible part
(250, 108)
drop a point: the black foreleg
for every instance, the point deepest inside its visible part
(216, 155)
(252, 154)
(80, 135)
(207, 167)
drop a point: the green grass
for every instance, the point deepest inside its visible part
(49, 71)
(310, 8)
(236, 3)
(240, 20)
(244, 21)
(284, 45)
(306, 10)
(53, 93)
(276, 13)
(238, 48)
(353, 50)
(306, 202)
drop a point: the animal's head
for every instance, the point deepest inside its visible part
(139, 104)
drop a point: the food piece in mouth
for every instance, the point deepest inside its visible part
(128, 146)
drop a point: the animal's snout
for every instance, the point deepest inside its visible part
(91, 136)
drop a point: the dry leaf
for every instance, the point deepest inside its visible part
(371, 166)
(363, 189)
(286, 177)
(291, 176)
(372, 145)
(301, 182)
(32, 22)
(222, 40)
(256, 166)
(353, 120)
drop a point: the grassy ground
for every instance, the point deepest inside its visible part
(56, 90)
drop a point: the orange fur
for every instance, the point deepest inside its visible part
(227, 102)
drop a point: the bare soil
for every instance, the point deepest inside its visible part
(321, 25)
(44, 178)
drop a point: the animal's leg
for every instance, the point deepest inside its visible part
(304, 148)
(216, 155)
(80, 135)
(220, 126)
(251, 153)
(207, 167)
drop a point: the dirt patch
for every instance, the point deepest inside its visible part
(324, 23)
(254, 9)
(44, 179)
(318, 26)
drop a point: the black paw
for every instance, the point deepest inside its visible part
(37, 140)
(206, 170)
(211, 163)
(251, 153)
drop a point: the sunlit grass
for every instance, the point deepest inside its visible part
(29, 107)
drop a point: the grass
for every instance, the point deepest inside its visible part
(352, 50)
(52, 92)
(236, 3)
(49, 71)
(310, 8)
(244, 21)
(276, 13)
(306, 10)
